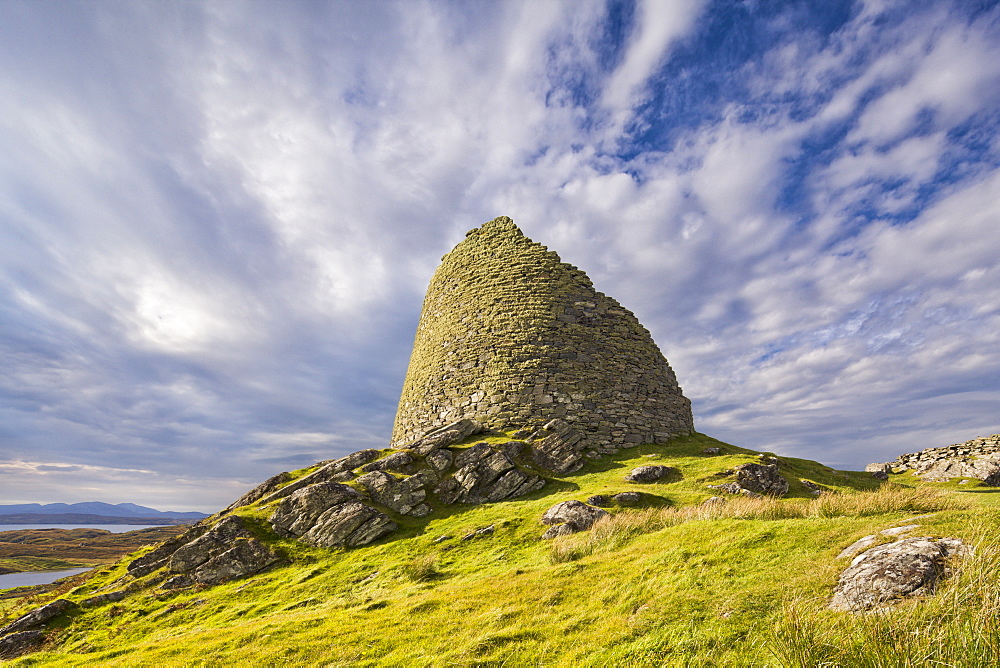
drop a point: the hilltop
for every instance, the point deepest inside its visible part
(671, 581)
(545, 500)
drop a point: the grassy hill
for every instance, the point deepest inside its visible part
(673, 582)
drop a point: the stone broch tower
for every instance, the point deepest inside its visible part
(513, 337)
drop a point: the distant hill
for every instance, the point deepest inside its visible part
(92, 508)
(85, 519)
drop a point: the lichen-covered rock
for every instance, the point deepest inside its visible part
(813, 487)
(485, 476)
(39, 616)
(349, 524)
(296, 514)
(158, 557)
(511, 336)
(472, 455)
(216, 540)
(404, 496)
(558, 447)
(711, 452)
(761, 479)
(578, 515)
(734, 488)
(445, 436)
(245, 557)
(652, 473)
(987, 470)
(907, 567)
(397, 461)
(21, 643)
(976, 458)
(600, 500)
(329, 471)
(440, 460)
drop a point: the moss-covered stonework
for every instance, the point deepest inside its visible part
(513, 337)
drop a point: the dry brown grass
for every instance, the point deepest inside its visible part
(616, 530)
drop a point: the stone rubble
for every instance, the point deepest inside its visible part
(755, 480)
(977, 458)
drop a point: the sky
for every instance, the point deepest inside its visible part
(218, 219)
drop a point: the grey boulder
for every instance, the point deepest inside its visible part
(485, 476)
(397, 461)
(577, 514)
(628, 498)
(404, 496)
(907, 567)
(216, 540)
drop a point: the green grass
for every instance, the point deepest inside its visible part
(673, 583)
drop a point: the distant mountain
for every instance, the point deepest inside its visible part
(85, 519)
(96, 508)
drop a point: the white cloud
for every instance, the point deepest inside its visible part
(657, 26)
(953, 79)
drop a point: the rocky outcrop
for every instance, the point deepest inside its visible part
(21, 643)
(24, 634)
(570, 517)
(330, 514)
(158, 556)
(557, 447)
(337, 470)
(39, 616)
(207, 555)
(486, 475)
(978, 458)
(445, 436)
(227, 551)
(404, 495)
(883, 574)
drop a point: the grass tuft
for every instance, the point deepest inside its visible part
(422, 568)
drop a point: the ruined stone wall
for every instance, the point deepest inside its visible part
(981, 447)
(513, 337)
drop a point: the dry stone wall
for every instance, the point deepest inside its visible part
(976, 458)
(513, 337)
